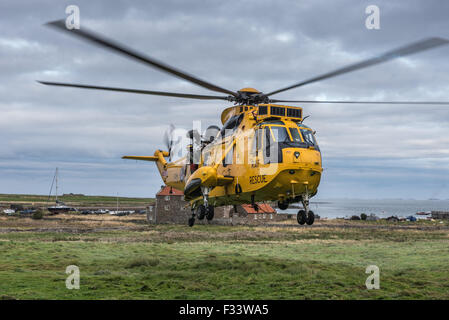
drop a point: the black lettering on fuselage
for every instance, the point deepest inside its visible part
(257, 179)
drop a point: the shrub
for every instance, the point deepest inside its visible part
(17, 207)
(363, 216)
(38, 214)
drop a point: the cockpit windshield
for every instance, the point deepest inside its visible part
(293, 137)
(308, 137)
(295, 134)
(270, 141)
(280, 134)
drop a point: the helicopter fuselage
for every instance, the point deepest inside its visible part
(262, 153)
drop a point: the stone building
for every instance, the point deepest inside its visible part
(440, 215)
(265, 213)
(170, 207)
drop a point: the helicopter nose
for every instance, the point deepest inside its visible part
(308, 158)
(292, 155)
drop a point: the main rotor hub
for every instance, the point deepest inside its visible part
(249, 90)
(249, 96)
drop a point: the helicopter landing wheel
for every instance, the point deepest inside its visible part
(201, 212)
(209, 212)
(283, 205)
(310, 217)
(301, 217)
(192, 219)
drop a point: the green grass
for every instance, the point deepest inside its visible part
(223, 262)
(75, 199)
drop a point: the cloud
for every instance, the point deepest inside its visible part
(368, 150)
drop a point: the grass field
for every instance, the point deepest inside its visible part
(73, 200)
(124, 258)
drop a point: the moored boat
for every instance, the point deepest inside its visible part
(59, 206)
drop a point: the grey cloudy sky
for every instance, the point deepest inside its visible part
(369, 151)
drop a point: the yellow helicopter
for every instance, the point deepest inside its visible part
(263, 152)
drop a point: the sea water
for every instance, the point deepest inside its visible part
(383, 208)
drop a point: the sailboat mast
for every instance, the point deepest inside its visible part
(51, 188)
(56, 185)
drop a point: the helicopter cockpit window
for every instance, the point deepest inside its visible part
(295, 134)
(267, 142)
(280, 134)
(308, 137)
(229, 157)
(254, 142)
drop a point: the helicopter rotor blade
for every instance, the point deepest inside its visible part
(156, 93)
(412, 48)
(112, 45)
(364, 102)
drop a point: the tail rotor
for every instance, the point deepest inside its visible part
(168, 139)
